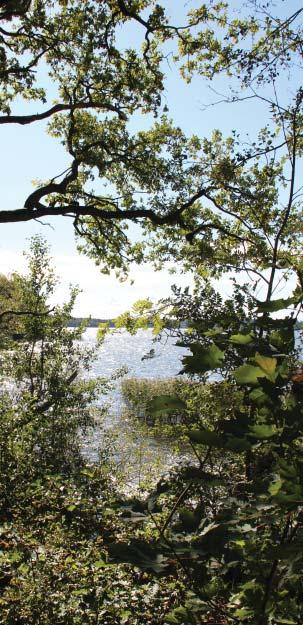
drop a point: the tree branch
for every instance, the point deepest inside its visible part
(57, 108)
(212, 226)
(19, 313)
(285, 217)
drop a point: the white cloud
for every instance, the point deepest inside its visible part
(11, 261)
(102, 296)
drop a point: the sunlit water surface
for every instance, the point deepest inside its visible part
(133, 450)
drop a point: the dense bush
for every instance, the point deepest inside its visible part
(138, 393)
(59, 513)
(217, 540)
(231, 519)
(205, 402)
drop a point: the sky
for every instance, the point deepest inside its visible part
(30, 154)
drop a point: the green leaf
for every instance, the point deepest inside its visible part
(203, 359)
(71, 508)
(103, 329)
(80, 592)
(243, 613)
(15, 556)
(248, 374)
(237, 444)
(214, 537)
(285, 621)
(206, 437)
(275, 305)
(24, 568)
(88, 473)
(268, 365)
(283, 369)
(165, 404)
(213, 332)
(124, 616)
(100, 564)
(138, 553)
(241, 339)
(287, 470)
(294, 499)
(258, 396)
(263, 431)
(180, 616)
(211, 439)
(283, 338)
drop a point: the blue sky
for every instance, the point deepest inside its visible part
(30, 154)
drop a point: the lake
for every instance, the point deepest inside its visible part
(121, 349)
(132, 448)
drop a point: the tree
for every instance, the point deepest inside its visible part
(215, 203)
(233, 523)
(59, 512)
(229, 526)
(14, 8)
(231, 520)
(46, 404)
(10, 312)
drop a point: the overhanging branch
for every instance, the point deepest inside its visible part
(57, 108)
(75, 210)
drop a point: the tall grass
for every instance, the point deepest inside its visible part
(205, 403)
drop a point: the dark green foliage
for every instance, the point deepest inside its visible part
(60, 515)
(233, 520)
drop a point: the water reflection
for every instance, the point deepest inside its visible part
(134, 449)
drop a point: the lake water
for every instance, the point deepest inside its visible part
(118, 350)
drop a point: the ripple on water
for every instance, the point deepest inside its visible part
(118, 350)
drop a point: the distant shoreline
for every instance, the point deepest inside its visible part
(93, 322)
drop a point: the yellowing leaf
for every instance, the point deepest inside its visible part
(241, 339)
(268, 365)
(275, 486)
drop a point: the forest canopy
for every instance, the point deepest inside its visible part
(213, 203)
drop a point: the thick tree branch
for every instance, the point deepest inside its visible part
(33, 209)
(20, 313)
(57, 108)
(33, 200)
(74, 210)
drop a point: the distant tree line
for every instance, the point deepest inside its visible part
(92, 322)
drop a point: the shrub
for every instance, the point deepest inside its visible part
(205, 402)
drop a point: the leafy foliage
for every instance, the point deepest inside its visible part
(226, 529)
(60, 515)
(236, 513)
(210, 203)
